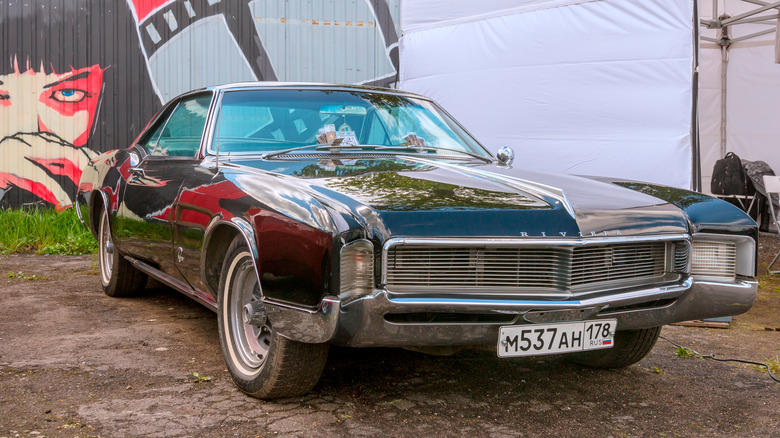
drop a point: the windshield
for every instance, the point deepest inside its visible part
(263, 121)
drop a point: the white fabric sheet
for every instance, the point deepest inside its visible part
(597, 88)
(420, 15)
(752, 94)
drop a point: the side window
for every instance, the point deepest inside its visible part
(180, 135)
(149, 141)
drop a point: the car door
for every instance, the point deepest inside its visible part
(146, 211)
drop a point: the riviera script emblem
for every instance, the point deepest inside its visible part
(579, 234)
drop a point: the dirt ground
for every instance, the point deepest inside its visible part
(74, 362)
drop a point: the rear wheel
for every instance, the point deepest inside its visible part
(630, 347)
(262, 363)
(117, 276)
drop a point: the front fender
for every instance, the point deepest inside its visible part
(706, 214)
(209, 259)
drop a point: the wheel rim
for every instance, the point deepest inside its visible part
(252, 343)
(105, 250)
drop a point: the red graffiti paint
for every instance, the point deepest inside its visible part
(5, 98)
(69, 96)
(62, 167)
(38, 189)
(145, 7)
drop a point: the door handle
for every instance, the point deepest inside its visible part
(137, 171)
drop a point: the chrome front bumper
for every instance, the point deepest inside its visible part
(363, 322)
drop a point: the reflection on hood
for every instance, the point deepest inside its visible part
(396, 192)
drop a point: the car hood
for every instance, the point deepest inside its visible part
(413, 196)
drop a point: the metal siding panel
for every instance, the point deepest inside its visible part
(328, 41)
(189, 54)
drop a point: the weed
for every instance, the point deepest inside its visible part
(658, 370)
(94, 269)
(44, 231)
(686, 352)
(22, 276)
(773, 363)
(199, 378)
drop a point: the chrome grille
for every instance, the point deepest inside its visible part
(555, 269)
(482, 266)
(618, 262)
(682, 255)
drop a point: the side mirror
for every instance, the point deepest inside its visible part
(505, 156)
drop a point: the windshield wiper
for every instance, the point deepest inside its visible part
(327, 147)
(404, 148)
(414, 148)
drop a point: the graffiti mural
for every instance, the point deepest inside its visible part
(344, 41)
(61, 78)
(79, 77)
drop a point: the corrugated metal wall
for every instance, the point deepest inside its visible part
(80, 77)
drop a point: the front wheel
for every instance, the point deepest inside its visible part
(117, 276)
(630, 347)
(262, 363)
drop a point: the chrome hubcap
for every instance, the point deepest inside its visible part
(106, 250)
(251, 330)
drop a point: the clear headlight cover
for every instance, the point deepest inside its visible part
(357, 269)
(716, 260)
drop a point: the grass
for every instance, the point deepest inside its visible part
(23, 276)
(44, 231)
(686, 352)
(199, 378)
(773, 364)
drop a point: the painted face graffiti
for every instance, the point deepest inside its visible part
(45, 119)
(63, 104)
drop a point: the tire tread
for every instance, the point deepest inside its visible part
(291, 369)
(631, 346)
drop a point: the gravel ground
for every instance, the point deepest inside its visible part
(74, 362)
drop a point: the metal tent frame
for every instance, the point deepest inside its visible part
(724, 23)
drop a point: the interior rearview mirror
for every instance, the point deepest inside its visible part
(343, 110)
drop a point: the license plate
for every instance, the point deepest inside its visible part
(562, 337)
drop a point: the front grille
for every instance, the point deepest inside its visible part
(618, 262)
(490, 267)
(682, 256)
(555, 269)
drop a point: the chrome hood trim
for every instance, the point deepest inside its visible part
(535, 189)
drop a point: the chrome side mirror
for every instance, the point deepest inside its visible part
(505, 156)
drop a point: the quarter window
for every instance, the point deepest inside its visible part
(180, 134)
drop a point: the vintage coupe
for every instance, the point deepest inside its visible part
(307, 215)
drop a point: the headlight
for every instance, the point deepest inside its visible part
(722, 257)
(715, 260)
(357, 269)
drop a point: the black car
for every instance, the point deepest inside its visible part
(307, 215)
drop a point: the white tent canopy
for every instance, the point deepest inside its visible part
(739, 88)
(600, 87)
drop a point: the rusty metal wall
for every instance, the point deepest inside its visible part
(80, 77)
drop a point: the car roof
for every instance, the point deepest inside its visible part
(302, 85)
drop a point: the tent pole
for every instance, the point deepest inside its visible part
(695, 138)
(724, 50)
(723, 66)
